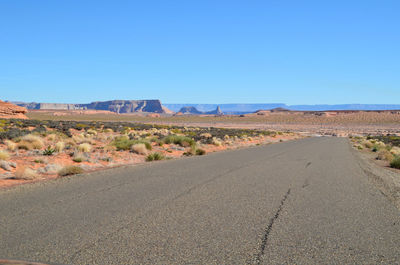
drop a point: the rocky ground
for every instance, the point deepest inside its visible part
(32, 150)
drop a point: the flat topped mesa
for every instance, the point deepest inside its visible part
(11, 111)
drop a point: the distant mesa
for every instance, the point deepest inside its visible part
(116, 106)
(190, 110)
(11, 111)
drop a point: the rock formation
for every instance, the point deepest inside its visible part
(11, 111)
(190, 110)
(117, 106)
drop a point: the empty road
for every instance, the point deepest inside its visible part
(302, 202)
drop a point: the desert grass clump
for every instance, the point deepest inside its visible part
(206, 135)
(70, 170)
(4, 155)
(216, 141)
(385, 155)
(84, 147)
(179, 140)
(35, 141)
(11, 146)
(124, 143)
(395, 162)
(395, 150)
(368, 144)
(24, 145)
(25, 173)
(139, 149)
(155, 156)
(78, 158)
(59, 146)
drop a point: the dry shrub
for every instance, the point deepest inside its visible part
(139, 149)
(70, 170)
(25, 173)
(85, 147)
(206, 135)
(216, 141)
(4, 155)
(10, 145)
(395, 150)
(368, 144)
(35, 141)
(59, 146)
(385, 155)
(24, 145)
(79, 157)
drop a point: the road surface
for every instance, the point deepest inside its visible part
(302, 202)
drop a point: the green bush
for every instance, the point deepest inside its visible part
(155, 156)
(123, 143)
(179, 140)
(395, 162)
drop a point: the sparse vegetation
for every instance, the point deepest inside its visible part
(155, 156)
(94, 142)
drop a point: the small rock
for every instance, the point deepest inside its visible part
(50, 169)
(5, 165)
(13, 164)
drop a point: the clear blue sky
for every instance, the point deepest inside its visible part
(295, 52)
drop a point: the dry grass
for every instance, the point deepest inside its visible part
(385, 155)
(59, 146)
(84, 147)
(25, 173)
(24, 145)
(35, 141)
(395, 150)
(70, 170)
(216, 141)
(10, 145)
(139, 149)
(4, 155)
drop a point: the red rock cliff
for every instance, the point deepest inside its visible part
(11, 111)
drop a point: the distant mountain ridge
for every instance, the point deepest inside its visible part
(249, 108)
(117, 106)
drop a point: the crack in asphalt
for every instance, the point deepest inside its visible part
(269, 229)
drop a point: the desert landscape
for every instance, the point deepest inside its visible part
(32, 150)
(45, 143)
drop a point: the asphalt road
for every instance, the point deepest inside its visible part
(302, 202)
